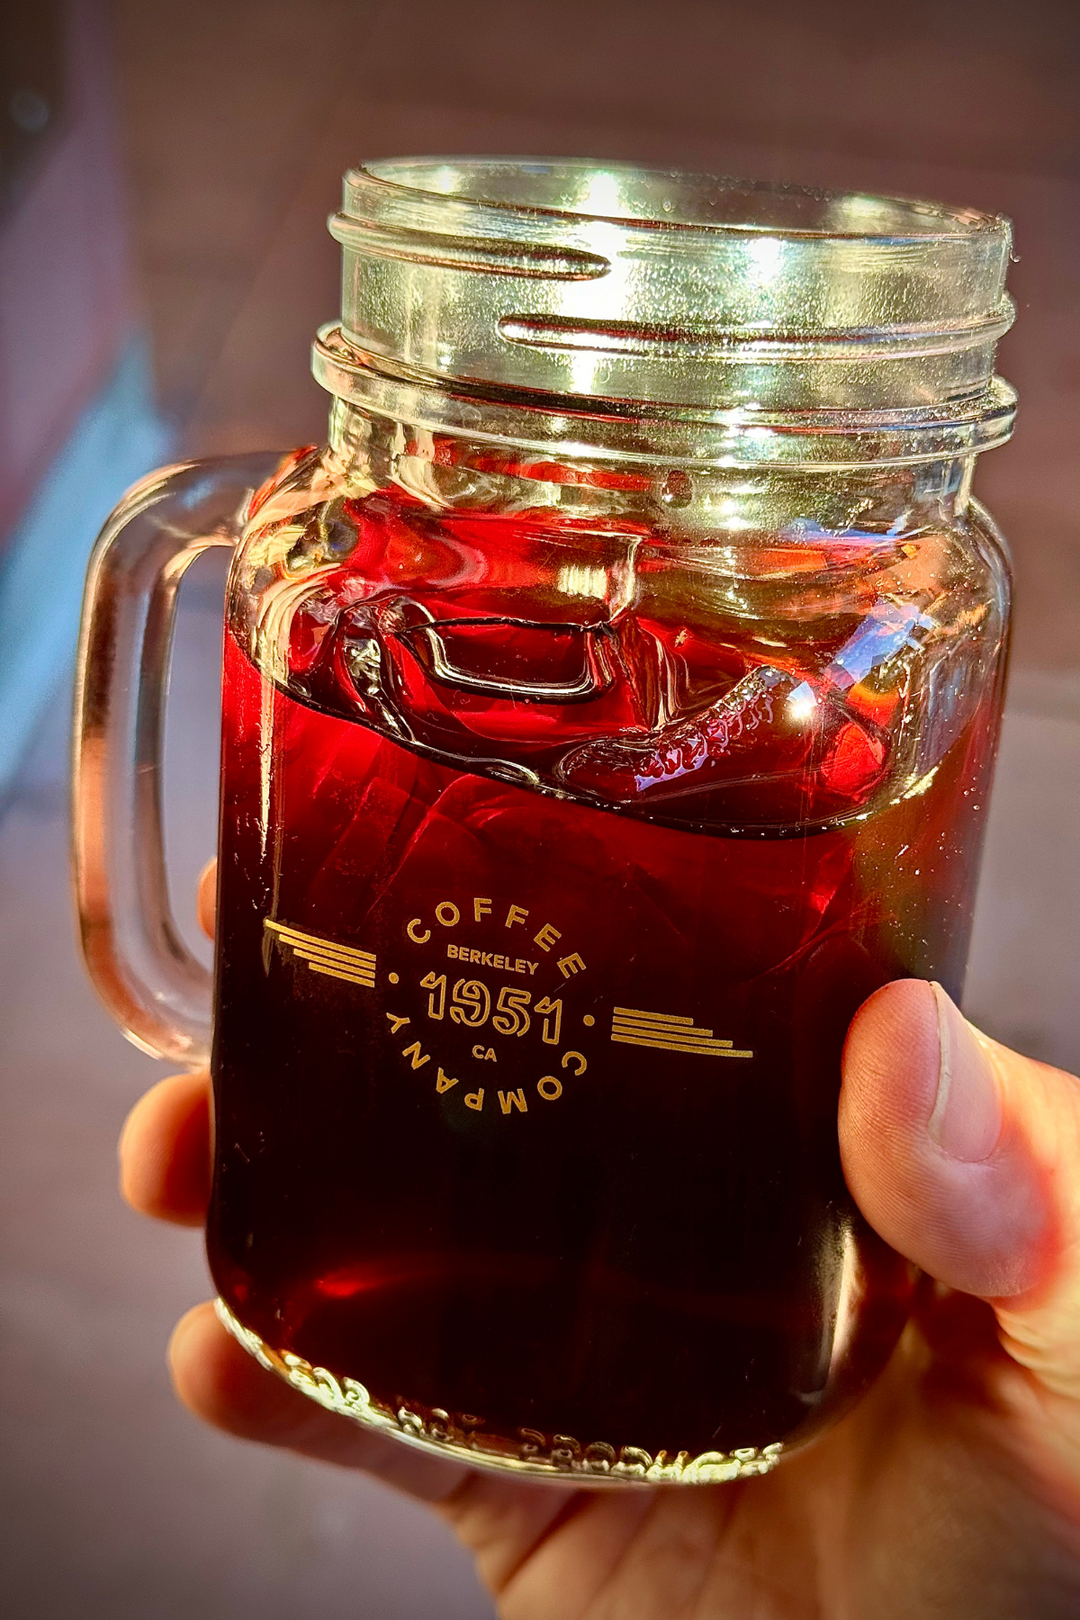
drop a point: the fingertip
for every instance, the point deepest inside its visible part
(206, 901)
(164, 1151)
(216, 1379)
(219, 1382)
(890, 1061)
(186, 1338)
(963, 1201)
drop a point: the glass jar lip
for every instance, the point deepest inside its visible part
(528, 186)
(603, 282)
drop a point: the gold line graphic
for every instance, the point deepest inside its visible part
(338, 973)
(667, 1033)
(654, 1018)
(326, 957)
(678, 1032)
(326, 947)
(304, 949)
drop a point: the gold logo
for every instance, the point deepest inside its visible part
(668, 1033)
(323, 956)
(469, 1005)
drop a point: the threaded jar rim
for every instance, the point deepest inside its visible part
(601, 288)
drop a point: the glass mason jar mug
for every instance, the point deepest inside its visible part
(609, 707)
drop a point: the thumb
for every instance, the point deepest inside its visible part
(965, 1157)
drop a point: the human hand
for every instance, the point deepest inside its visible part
(952, 1490)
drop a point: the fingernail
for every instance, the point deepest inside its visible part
(967, 1117)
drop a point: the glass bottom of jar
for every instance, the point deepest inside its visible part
(527, 1454)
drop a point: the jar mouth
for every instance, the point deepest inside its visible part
(627, 194)
(606, 285)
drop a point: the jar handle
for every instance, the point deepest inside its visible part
(157, 990)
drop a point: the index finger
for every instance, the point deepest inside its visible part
(206, 904)
(165, 1151)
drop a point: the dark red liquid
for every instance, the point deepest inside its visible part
(480, 1145)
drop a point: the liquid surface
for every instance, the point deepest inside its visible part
(539, 937)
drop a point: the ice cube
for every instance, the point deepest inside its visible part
(737, 734)
(882, 633)
(773, 751)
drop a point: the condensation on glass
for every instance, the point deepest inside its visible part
(609, 707)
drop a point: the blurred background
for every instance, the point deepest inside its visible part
(165, 175)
